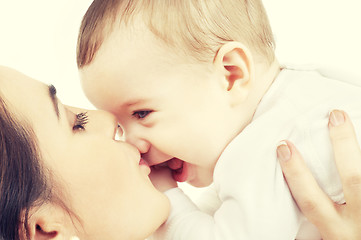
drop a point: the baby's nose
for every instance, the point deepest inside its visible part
(142, 145)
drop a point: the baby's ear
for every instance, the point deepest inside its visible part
(236, 64)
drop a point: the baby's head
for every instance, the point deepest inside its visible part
(179, 75)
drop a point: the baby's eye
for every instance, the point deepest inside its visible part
(81, 119)
(141, 114)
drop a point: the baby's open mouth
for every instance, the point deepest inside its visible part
(178, 167)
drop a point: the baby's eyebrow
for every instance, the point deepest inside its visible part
(134, 102)
(54, 99)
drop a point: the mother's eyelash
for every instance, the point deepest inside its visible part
(80, 121)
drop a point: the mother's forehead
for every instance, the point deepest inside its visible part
(13, 79)
(24, 94)
(6, 73)
(9, 76)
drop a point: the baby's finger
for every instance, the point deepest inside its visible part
(347, 156)
(312, 201)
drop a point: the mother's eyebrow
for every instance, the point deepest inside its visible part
(54, 99)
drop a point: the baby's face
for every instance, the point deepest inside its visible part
(174, 112)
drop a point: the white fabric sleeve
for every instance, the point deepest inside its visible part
(208, 202)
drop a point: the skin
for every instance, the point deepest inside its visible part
(173, 109)
(102, 178)
(334, 221)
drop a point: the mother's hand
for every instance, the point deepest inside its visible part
(333, 221)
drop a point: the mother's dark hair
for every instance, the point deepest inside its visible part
(23, 183)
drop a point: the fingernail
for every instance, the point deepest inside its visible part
(336, 118)
(283, 151)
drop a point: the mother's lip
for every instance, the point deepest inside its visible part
(144, 166)
(143, 162)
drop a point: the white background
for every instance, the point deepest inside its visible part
(38, 37)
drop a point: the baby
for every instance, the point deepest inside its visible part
(196, 87)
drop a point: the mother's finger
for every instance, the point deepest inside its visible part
(312, 201)
(347, 156)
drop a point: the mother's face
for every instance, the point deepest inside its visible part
(103, 179)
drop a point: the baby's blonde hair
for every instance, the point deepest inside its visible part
(196, 28)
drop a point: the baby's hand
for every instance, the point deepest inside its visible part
(162, 179)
